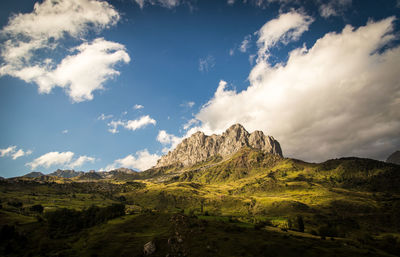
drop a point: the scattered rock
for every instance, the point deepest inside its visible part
(149, 248)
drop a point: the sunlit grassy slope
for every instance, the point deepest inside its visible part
(251, 204)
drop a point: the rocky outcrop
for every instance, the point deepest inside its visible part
(394, 158)
(89, 176)
(66, 173)
(199, 147)
(149, 248)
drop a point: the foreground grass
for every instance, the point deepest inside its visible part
(181, 235)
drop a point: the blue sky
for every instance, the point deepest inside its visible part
(100, 85)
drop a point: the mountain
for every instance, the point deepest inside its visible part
(394, 158)
(120, 174)
(236, 185)
(89, 176)
(200, 147)
(33, 174)
(66, 173)
(250, 166)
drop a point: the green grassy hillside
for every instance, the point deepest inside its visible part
(251, 204)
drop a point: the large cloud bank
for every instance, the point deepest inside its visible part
(340, 97)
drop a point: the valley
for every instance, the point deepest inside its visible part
(222, 195)
(250, 204)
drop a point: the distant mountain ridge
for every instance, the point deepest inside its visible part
(33, 174)
(394, 158)
(66, 173)
(199, 147)
(118, 174)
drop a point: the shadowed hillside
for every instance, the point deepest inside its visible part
(249, 203)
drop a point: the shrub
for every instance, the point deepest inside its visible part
(37, 208)
(300, 223)
(327, 230)
(65, 221)
(16, 204)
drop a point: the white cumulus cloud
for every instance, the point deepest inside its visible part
(81, 160)
(50, 159)
(7, 151)
(168, 140)
(142, 161)
(131, 124)
(13, 152)
(138, 106)
(339, 97)
(64, 159)
(20, 153)
(32, 38)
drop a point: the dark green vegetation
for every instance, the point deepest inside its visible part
(252, 204)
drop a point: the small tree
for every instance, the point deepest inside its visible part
(37, 208)
(300, 223)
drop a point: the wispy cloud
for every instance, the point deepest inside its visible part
(131, 124)
(64, 159)
(334, 7)
(190, 123)
(104, 117)
(207, 63)
(43, 31)
(287, 28)
(65, 131)
(165, 3)
(138, 106)
(245, 44)
(188, 104)
(13, 152)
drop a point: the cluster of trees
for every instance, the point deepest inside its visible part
(296, 223)
(64, 221)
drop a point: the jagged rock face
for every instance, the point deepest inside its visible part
(199, 147)
(66, 173)
(394, 158)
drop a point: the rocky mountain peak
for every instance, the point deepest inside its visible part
(236, 130)
(198, 147)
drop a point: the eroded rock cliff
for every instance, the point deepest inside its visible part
(198, 147)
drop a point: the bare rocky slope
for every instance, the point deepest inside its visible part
(199, 147)
(394, 158)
